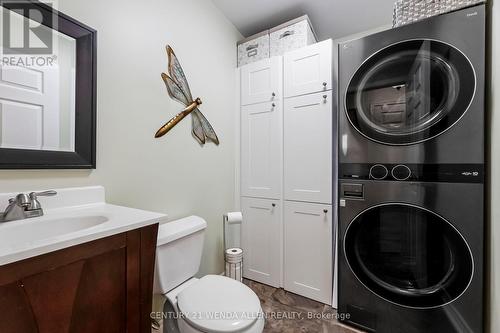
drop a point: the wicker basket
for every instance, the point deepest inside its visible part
(409, 11)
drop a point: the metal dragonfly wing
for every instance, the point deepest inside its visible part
(178, 89)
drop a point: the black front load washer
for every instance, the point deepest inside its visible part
(415, 94)
(411, 256)
(411, 176)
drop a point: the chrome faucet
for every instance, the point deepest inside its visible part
(25, 206)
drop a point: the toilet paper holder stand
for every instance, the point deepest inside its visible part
(225, 222)
(233, 261)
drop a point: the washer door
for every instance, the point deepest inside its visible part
(408, 255)
(410, 92)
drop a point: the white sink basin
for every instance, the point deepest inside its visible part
(30, 230)
(75, 216)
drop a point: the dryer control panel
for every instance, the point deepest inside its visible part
(455, 173)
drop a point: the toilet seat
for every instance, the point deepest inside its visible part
(219, 304)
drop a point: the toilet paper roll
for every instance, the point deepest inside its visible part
(234, 217)
(234, 252)
(234, 255)
(234, 261)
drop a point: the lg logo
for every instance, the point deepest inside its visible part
(25, 29)
(470, 173)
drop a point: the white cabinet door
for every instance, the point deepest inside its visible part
(309, 69)
(261, 150)
(261, 240)
(262, 81)
(308, 250)
(308, 148)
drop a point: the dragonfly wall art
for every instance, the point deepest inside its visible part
(178, 89)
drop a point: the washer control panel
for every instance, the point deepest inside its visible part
(459, 173)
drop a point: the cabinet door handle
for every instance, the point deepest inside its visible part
(325, 84)
(261, 208)
(306, 213)
(273, 105)
(252, 53)
(274, 205)
(325, 211)
(252, 47)
(273, 94)
(287, 33)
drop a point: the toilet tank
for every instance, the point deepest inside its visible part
(178, 252)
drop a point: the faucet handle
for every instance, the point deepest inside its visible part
(49, 193)
(34, 203)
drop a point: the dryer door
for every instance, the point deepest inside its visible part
(408, 255)
(410, 92)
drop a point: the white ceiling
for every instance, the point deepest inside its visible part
(330, 18)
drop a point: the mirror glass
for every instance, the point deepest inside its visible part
(37, 88)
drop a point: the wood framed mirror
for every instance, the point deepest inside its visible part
(47, 89)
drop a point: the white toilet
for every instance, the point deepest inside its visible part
(211, 304)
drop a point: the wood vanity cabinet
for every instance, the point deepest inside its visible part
(104, 285)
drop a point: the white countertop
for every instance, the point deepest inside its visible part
(55, 230)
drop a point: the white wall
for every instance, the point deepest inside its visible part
(331, 18)
(173, 175)
(493, 289)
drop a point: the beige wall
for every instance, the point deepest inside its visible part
(493, 288)
(173, 175)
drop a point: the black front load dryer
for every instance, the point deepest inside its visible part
(411, 256)
(415, 94)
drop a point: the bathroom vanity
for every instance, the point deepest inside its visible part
(85, 266)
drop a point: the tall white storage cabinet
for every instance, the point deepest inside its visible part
(308, 159)
(262, 169)
(286, 171)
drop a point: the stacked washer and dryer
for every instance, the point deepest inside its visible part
(411, 176)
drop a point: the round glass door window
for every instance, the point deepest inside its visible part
(408, 255)
(410, 92)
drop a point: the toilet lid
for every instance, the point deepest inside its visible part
(219, 304)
